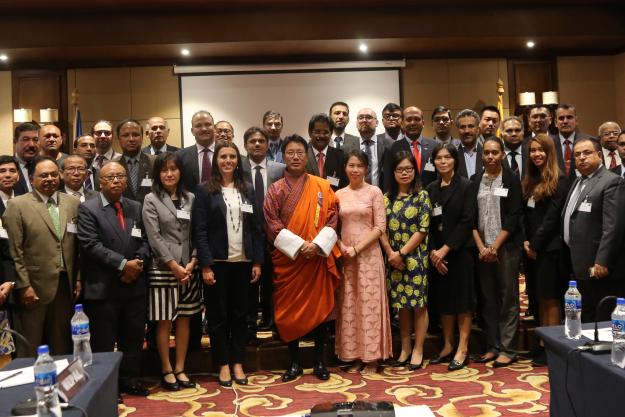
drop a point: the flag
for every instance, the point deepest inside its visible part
(77, 124)
(500, 92)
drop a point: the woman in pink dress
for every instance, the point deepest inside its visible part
(363, 328)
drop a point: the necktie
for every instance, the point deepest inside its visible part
(338, 140)
(133, 171)
(612, 160)
(87, 184)
(120, 214)
(568, 153)
(54, 215)
(368, 144)
(570, 207)
(320, 164)
(206, 165)
(513, 163)
(30, 168)
(417, 154)
(100, 161)
(259, 189)
(158, 153)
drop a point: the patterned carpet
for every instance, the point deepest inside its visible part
(476, 391)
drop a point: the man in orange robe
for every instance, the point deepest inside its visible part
(301, 214)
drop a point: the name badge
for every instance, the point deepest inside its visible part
(333, 181)
(429, 167)
(437, 211)
(500, 192)
(247, 208)
(135, 232)
(3, 233)
(183, 214)
(72, 228)
(531, 203)
(146, 182)
(586, 207)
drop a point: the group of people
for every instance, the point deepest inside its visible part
(306, 232)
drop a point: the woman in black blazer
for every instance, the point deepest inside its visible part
(229, 243)
(544, 196)
(451, 253)
(498, 235)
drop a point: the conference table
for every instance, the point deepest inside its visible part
(593, 387)
(98, 397)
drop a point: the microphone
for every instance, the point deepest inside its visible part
(596, 346)
(18, 335)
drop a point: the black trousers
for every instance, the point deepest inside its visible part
(261, 294)
(226, 307)
(121, 321)
(320, 335)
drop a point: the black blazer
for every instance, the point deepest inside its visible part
(462, 165)
(523, 150)
(190, 167)
(210, 233)
(510, 207)
(104, 245)
(454, 227)
(21, 186)
(426, 177)
(556, 142)
(145, 171)
(334, 165)
(617, 170)
(542, 223)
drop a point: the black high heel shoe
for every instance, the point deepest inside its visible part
(398, 363)
(456, 365)
(169, 386)
(184, 384)
(442, 359)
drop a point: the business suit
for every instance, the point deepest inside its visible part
(226, 300)
(168, 148)
(95, 178)
(427, 145)
(190, 167)
(37, 249)
(619, 170)
(117, 310)
(522, 149)
(382, 148)
(596, 236)
(462, 164)
(87, 194)
(334, 165)
(574, 138)
(21, 187)
(344, 137)
(145, 171)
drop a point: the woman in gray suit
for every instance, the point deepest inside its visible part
(174, 286)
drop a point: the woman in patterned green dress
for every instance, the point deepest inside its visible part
(406, 246)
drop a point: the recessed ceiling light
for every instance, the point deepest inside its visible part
(363, 47)
(4, 57)
(185, 52)
(530, 44)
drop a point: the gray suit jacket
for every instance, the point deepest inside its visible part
(169, 236)
(597, 237)
(383, 145)
(145, 171)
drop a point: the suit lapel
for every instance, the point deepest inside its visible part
(169, 204)
(111, 217)
(62, 213)
(312, 162)
(42, 209)
(590, 184)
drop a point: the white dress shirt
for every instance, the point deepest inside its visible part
(375, 171)
(263, 172)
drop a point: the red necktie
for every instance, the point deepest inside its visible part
(568, 153)
(120, 214)
(613, 160)
(206, 166)
(417, 154)
(320, 164)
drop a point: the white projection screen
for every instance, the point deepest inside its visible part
(242, 99)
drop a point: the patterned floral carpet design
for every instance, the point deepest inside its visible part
(476, 391)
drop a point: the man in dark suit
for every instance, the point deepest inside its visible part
(73, 172)
(339, 113)
(442, 123)
(84, 146)
(261, 173)
(138, 165)
(102, 132)
(323, 160)
(593, 228)
(421, 147)
(608, 137)
(114, 249)
(490, 119)
(514, 146)
(41, 229)
(391, 120)
(9, 177)
(273, 124)
(376, 149)
(619, 170)
(470, 151)
(26, 143)
(566, 122)
(157, 131)
(539, 120)
(197, 158)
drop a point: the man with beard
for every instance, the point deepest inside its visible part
(102, 131)
(273, 124)
(157, 131)
(470, 158)
(391, 120)
(339, 113)
(51, 141)
(26, 143)
(608, 136)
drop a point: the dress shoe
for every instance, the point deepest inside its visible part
(415, 366)
(504, 364)
(456, 365)
(442, 359)
(169, 386)
(321, 372)
(120, 400)
(241, 381)
(226, 383)
(184, 384)
(136, 390)
(398, 363)
(293, 372)
(485, 359)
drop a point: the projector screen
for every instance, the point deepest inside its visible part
(242, 99)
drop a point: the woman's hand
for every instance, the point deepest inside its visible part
(208, 276)
(528, 251)
(180, 273)
(256, 272)
(396, 260)
(5, 290)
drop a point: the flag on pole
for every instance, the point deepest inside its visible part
(500, 92)
(77, 124)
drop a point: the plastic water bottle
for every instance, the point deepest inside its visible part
(573, 312)
(618, 333)
(45, 384)
(81, 336)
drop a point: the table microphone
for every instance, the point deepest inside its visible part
(596, 346)
(17, 334)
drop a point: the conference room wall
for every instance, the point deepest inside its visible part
(619, 87)
(6, 113)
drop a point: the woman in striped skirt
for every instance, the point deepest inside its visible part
(174, 285)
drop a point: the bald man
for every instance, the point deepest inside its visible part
(157, 130)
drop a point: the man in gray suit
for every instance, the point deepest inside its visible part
(261, 173)
(339, 113)
(74, 171)
(369, 143)
(157, 131)
(391, 120)
(593, 228)
(137, 164)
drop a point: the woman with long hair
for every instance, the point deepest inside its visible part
(544, 195)
(406, 246)
(229, 244)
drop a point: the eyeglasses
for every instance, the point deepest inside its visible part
(291, 154)
(75, 169)
(510, 131)
(223, 131)
(621, 144)
(444, 120)
(113, 177)
(407, 170)
(365, 117)
(391, 116)
(102, 133)
(612, 133)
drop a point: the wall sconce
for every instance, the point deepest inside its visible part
(48, 115)
(22, 115)
(527, 99)
(550, 98)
